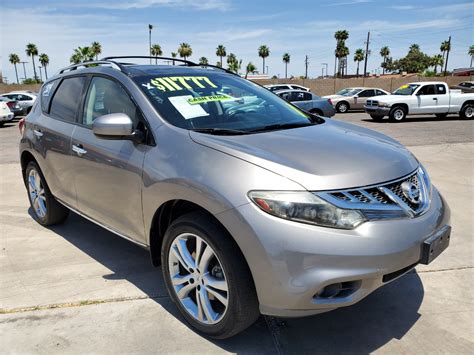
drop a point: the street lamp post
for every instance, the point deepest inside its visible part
(41, 74)
(325, 64)
(150, 27)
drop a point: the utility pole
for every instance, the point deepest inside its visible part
(41, 74)
(306, 66)
(150, 27)
(447, 56)
(366, 53)
(325, 64)
(24, 69)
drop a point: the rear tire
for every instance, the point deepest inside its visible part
(467, 112)
(377, 118)
(342, 107)
(240, 308)
(397, 114)
(46, 209)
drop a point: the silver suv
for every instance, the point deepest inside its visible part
(250, 205)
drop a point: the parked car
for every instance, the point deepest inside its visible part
(340, 93)
(279, 87)
(5, 114)
(266, 210)
(14, 106)
(25, 99)
(308, 102)
(432, 98)
(354, 99)
(465, 86)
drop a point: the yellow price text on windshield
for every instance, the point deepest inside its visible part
(176, 83)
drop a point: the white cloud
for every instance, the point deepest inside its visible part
(221, 5)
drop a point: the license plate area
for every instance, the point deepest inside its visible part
(435, 245)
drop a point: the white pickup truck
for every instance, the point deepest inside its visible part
(429, 97)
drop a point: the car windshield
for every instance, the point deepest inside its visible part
(408, 89)
(219, 103)
(352, 92)
(343, 91)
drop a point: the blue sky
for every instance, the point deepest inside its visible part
(300, 28)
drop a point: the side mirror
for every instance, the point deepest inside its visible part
(114, 125)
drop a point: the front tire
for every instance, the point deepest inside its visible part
(46, 209)
(467, 112)
(397, 114)
(342, 107)
(207, 277)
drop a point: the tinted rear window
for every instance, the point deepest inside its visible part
(47, 92)
(66, 101)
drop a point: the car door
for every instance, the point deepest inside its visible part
(443, 101)
(301, 99)
(108, 172)
(361, 98)
(427, 99)
(52, 133)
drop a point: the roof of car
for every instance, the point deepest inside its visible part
(426, 83)
(291, 90)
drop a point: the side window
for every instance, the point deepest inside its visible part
(379, 92)
(297, 96)
(367, 93)
(65, 102)
(107, 96)
(24, 98)
(427, 90)
(46, 93)
(12, 97)
(307, 96)
(441, 89)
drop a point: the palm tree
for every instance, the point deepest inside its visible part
(203, 61)
(235, 65)
(15, 59)
(220, 52)
(156, 51)
(342, 52)
(414, 47)
(384, 52)
(44, 60)
(340, 37)
(75, 58)
(471, 53)
(31, 50)
(185, 50)
(445, 48)
(96, 48)
(359, 56)
(250, 69)
(286, 60)
(436, 60)
(263, 52)
(174, 55)
(231, 58)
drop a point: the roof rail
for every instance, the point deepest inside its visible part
(94, 62)
(188, 62)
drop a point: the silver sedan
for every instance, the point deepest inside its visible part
(308, 101)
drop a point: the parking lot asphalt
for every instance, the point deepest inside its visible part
(77, 288)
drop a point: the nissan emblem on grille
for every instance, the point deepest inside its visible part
(411, 192)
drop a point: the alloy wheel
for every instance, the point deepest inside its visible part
(398, 114)
(198, 278)
(469, 112)
(37, 193)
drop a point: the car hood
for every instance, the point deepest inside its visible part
(329, 156)
(390, 98)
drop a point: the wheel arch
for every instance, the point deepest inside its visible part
(344, 102)
(405, 106)
(25, 158)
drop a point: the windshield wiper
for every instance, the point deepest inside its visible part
(219, 131)
(278, 126)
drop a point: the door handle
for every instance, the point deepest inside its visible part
(79, 149)
(38, 133)
(435, 98)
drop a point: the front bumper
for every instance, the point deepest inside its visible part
(377, 110)
(6, 117)
(292, 262)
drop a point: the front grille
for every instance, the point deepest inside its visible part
(389, 197)
(372, 103)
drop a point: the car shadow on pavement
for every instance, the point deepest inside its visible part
(387, 314)
(417, 119)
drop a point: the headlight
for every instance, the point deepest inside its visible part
(426, 180)
(305, 207)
